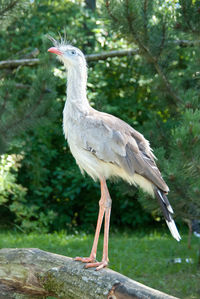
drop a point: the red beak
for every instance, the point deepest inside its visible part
(55, 51)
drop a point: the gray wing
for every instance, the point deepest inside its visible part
(114, 141)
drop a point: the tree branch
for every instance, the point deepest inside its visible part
(91, 57)
(11, 64)
(161, 46)
(145, 19)
(33, 273)
(185, 43)
(110, 54)
(9, 7)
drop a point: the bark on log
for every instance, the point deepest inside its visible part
(32, 273)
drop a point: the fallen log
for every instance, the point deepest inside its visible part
(33, 274)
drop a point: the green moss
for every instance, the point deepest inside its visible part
(49, 282)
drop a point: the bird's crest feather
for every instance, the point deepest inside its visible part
(58, 43)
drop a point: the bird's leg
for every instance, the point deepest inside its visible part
(92, 256)
(107, 206)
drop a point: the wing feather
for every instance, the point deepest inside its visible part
(114, 141)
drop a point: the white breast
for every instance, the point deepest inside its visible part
(72, 128)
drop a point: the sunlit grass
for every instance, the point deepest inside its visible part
(146, 258)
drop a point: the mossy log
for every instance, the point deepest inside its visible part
(33, 274)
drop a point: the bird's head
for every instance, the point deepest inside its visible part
(69, 55)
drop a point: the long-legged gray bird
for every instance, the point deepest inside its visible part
(104, 146)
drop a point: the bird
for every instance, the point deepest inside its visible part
(106, 147)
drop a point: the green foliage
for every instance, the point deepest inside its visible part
(184, 167)
(25, 97)
(10, 191)
(9, 10)
(22, 109)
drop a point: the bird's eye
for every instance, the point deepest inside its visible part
(73, 52)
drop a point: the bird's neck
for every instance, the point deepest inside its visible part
(76, 88)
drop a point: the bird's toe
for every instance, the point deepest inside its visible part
(97, 265)
(85, 259)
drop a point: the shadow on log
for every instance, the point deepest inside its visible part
(35, 274)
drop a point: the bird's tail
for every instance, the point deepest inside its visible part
(167, 211)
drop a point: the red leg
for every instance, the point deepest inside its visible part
(107, 207)
(92, 256)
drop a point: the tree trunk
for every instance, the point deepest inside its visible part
(32, 274)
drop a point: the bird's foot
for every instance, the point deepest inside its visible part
(85, 259)
(98, 265)
(92, 263)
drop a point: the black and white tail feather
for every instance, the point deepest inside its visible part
(167, 211)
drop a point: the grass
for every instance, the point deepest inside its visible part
(146, 258)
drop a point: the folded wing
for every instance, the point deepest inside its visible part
(113, 141)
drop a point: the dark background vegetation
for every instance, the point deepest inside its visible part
(156, 91)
